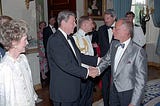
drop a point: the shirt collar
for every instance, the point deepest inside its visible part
(51, 26)
(113, 24)
(127, 42)
(12, 59)
(65, 35)
(81, 32)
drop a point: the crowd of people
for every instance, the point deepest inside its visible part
(114, 53)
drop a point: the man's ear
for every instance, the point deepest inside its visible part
(63, 22)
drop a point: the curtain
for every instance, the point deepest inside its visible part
(158, 45)
(156, 22)
(121, 7)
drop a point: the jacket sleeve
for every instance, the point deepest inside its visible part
(141, 77)
(105, 62)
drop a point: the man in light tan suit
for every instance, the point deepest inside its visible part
(128, 67)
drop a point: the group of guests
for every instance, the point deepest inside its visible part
(70, 60)
(122, 66)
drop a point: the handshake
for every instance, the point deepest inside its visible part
(93, 72)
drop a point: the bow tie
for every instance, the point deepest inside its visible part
(69, 37)
(110, 27)
(89, 33)
(121, 44)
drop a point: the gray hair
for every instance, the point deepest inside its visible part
(13, 31)
(128, 25)
(64, 15)
(111, 12)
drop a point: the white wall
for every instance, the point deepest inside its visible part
(17, 9)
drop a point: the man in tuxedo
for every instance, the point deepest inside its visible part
(128, 67)
(65, 63)
(105, 36)
(48, 31)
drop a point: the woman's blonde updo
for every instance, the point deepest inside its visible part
(12, 31)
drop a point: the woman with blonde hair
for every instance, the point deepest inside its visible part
(16, 85)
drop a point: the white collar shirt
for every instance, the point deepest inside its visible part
(110, 33)
(52, 28)
(119, 53)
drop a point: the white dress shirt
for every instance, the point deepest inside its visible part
(53, 28)
(119, 53)
(110, 32)
(16, 85)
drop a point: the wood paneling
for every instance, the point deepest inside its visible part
(55, 6)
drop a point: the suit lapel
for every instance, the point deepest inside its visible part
(77, 57)
(114, 50)
(76, 50)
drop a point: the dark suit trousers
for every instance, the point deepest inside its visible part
(106, 78)
(86, 98)
(120, 98)
(66, 103)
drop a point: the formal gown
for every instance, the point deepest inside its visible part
(16, 85)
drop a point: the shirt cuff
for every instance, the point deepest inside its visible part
(99, 72)
(87, 73)
(99, 59)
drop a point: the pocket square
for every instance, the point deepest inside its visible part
(129, 62)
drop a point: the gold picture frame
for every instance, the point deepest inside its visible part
(95, 8)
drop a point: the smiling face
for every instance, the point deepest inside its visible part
(87, 25)
(121, 32)
(108, 19)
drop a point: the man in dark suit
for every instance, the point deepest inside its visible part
(105, 36)
(65, 63)
(128, 67)
(48, 31)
